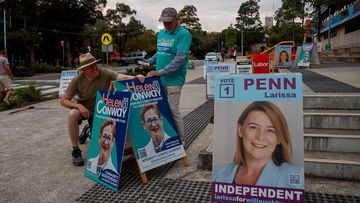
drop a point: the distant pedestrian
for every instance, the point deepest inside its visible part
(6, 77)
(234, 54)
(85, 85)
(222, 54)
(171, 58)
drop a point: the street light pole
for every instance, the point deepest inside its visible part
(242, 43)
(329, 33)
(4, 30)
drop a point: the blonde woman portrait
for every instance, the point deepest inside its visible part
(263, 151)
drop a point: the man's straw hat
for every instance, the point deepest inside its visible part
(86, 60)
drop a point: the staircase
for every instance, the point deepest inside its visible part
(332, 136)
(349, 54)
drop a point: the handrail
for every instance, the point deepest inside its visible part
(280, 43)
(271, 52)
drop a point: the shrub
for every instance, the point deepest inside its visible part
(46, 68)
(140, 70)
(43, 68)
(22, 97)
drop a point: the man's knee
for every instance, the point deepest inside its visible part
(74, 114)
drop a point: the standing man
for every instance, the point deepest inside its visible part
(85, 85)
(171, 60)
(5, 78)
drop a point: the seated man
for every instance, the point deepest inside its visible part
(85, 85)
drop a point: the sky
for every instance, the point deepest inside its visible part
(214, 15)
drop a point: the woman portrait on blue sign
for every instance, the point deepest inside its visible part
(284, 59)
(153, 124)
(263, 151)
(103, 162)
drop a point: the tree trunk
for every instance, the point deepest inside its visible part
(318, 8)
(67, 56)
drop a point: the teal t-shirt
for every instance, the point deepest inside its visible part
(167, 46)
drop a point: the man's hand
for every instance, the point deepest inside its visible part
(153, 74)
(143, 63)
(84, 111)
(141, 78)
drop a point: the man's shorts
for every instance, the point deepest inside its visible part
(5, 82)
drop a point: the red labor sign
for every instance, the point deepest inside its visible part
(62, 43)
(261, 63)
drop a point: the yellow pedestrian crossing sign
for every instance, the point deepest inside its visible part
(106, 39)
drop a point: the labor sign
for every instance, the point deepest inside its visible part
(106, 39)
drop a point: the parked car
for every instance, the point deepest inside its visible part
(133, 58)
(212, 56)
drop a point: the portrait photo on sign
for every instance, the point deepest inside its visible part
(259, 143)
(283, 56)
(103, 161)
(152, 122)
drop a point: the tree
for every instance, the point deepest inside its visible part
(145, 41)
(290, 10)
(230, 37)
(284, 32)
(22, 34)
(248, 21)
(91, 37)
(318, 4)
(122, 31)
(65, 20)
(188, 17)
(248, 15)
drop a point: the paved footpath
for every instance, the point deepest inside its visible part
(35, 151)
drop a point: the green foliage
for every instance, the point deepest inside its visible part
(46, 68)
(22, 97)
(248, 15)
(140, 70)
(285, 32)
(290, 10)
(120, 30)
(230, 37)
(188, 17)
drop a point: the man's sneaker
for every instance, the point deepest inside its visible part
(77, 159)
(6, 102)
(84, 134)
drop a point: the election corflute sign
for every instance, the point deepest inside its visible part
(214, 70)
(258, 152)
(152, 128)
(106, 147)
(65, 79)
(283, 56)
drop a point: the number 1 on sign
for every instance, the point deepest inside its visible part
(226, 91)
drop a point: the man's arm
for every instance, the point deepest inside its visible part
(66, 102)
(129, 77)
(152, 60)
(174, 65)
